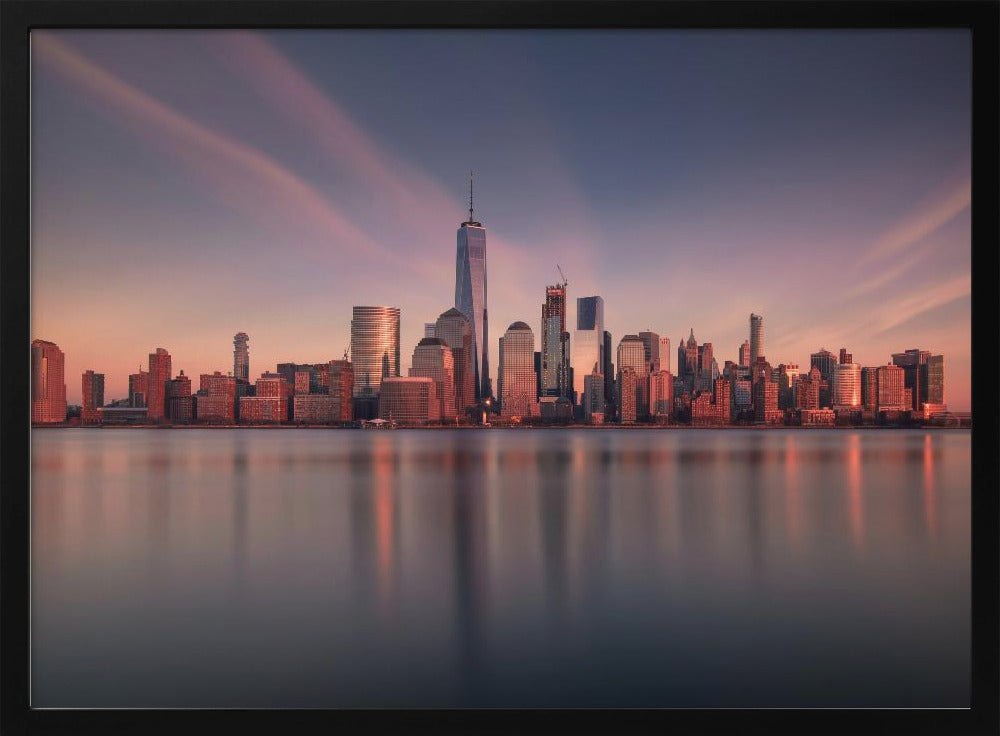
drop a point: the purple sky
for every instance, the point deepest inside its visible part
(188, 185)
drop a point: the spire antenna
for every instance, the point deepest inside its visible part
(470, 196)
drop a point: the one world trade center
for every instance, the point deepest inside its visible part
(470, 294)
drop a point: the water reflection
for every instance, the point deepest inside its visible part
(501, 568)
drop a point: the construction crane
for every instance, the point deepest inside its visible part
(565, 282)
(346, 350)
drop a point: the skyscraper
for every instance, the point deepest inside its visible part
(632, 357)
(846, 385)
(241, 356)
(608, 369)
(555, 343)
(470, 294)
(745, 354)
(924, 374)
(159, 375)
(455, 329)
(756, 337)
(93, 397)
(48, 387)
(651, 343)
(374, 346)
(518, 371)
(432, 358)
(588, 342)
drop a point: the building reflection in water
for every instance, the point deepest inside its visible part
(553, 494)
(855, 499)
(793, 508)
(240, 477)
(470, 569)
(930, 492)
(758, 460)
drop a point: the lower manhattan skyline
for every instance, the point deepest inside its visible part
(190, 186)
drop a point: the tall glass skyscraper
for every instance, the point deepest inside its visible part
(555, 343)
(374, 347)
(470, 294)
(588, 342)
(756, 338)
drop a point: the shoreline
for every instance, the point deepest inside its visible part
(556, 427)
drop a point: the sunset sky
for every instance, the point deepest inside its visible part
(188, 185)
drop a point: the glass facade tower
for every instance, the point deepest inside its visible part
(588, 342)
(756, 338)
(374, 347)
(470, 295)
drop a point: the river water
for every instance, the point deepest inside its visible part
(502, 568)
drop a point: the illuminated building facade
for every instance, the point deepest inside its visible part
(588, 341)
(93, 397)
(409, 400)
(517, 372)
(374, 347)
(432, 359)
(455, 329)
(159, 375)
(241, 356)
(470, 296)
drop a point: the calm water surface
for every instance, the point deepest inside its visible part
(286, 568)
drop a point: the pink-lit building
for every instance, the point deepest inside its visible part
(93, 397)
(271, 402)
(316, 409)
(217, 399)
(432, 358)
(138, 387)
(48, 385)
(765, 401)
(159, 375)
(180, 404)
(409, 400)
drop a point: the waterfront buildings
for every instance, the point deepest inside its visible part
(316, 408)
(159, 375)
(432, 359)
(271, 402)
(138, 386)
(869, 389)
(593, 396)
(241, 356)
(409, 400)
(765, 401)
(807, 390)
(470, 295)
(216, 400)
(756, 337)
(608, 369)
(846, 386)
(180, 408)
(651, 347)
(339, 375)
(628, 388)
(924, 376)
(632, 356)
(891, 394)
(555, 343)
(661, 393)
(48, 385)
(455, 330)
(374, 347)
(825, 361)
(517, 372)
(93, 397)
(745, 354)
(588, 341)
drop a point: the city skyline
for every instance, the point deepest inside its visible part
(877, 216)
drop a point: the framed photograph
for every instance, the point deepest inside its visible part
(502, 366)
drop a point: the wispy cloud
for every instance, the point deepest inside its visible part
(904, 309)
(952, 197)
(241, 175)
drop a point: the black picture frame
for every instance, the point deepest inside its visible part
(18, 17)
